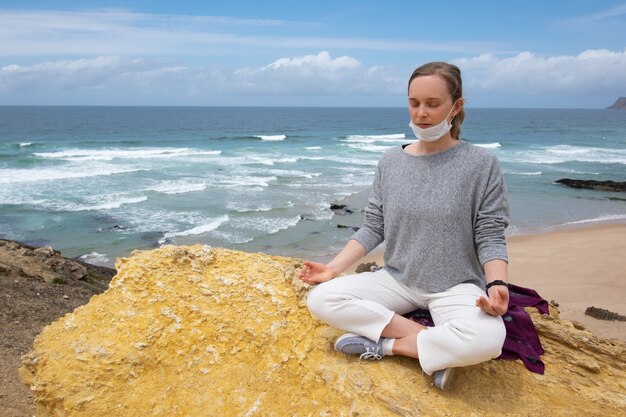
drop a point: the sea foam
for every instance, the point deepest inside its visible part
(130, 153)
(10, 176)
(198, 230)
(271, 137)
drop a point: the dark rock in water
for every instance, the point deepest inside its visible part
(340, 209)
(602, 314)
(593, 185)
(620, 104)
(341, 226)
(153, 238)
(119, 227)
(366, 267)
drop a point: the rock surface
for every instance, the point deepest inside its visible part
(593, 185)
(620, 104)
(199, 331)
(33, 295)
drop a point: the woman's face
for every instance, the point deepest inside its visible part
(430, 101)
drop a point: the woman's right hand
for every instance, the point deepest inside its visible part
(314, 273)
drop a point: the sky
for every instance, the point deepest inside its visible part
(513, 54)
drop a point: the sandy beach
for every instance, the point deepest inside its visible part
(576, 267)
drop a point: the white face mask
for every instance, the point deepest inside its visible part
(433, 133)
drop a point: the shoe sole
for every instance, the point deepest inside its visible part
(342, 337)
(443, 382)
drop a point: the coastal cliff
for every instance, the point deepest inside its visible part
(189, 331)
(620, 104)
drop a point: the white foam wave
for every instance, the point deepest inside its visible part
(266, 225)
(95, 258)
(567, 153)
(353, 161)
(24, 144)
(368, 147)
(10, 176)
(231, 237)
(266, 160)
(393, 138)
(242, 181)
(489, 145)
(177, 187)
(293, 173)
(313, 148)
(198, 230)
(247, 208)
(605, 218)
(108, 205)
(114, 153)
(523, 173)
(271, 137)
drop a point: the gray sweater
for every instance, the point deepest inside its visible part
(442, 216)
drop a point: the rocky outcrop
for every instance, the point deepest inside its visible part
(593, 185)
(37, 286)
(620, 104)
(200, 331)
(47, 264)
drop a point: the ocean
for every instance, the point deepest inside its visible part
(99, 182)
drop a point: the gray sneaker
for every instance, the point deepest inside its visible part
(353, 344)
(443, 377)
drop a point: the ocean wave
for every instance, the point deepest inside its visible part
(313, 148)
(523, 173)
(241, 181)
(95, 258)
(198, 230)
(393, 138)
(368, 147)
(489, 145)
(131, 153)
(177, 187)
(567, 153)
(353, 161)
(267, 160)
(248, 207)
(266, 225)
(24, 144)
(108, 205)
(271, 137)
(604, 218)
(293, 173)
(12, 176)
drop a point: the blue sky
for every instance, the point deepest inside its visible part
(569, 54)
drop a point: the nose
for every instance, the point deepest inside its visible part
(421, 112)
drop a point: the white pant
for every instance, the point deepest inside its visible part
(365, 303)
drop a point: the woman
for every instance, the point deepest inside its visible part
(440, 205)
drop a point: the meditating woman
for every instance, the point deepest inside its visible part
(440, 205)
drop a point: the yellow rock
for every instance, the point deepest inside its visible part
(200, 331)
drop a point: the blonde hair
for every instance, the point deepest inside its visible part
(452, 76)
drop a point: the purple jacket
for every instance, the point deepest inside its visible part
(522, 341)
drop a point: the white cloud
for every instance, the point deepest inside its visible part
(308, 75)
(592, 72)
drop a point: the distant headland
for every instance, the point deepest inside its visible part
(620, 104)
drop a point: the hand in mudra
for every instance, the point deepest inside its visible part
(314, 273)
(498, 302)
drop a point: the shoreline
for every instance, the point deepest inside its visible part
(577, 266)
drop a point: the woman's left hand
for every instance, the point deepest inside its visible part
(498, 302)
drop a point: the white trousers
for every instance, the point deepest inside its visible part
(365, 303)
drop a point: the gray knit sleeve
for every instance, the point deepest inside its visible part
(492, 218)
(372, 233)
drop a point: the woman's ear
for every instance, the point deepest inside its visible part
(458, 106)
